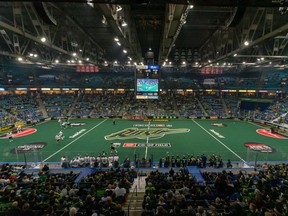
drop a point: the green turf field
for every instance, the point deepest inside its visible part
(175, 137)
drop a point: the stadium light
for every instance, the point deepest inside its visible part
(119, 44)
(235, 54)
(209, 61)
(31, 54)
(74, 54)
(35, 55)
(124, 51)
(80, 62)
(246, 43)
(183, 62)
(20, 59)
(56, 61)
(105, 62)
(87, 59)
(116, 39)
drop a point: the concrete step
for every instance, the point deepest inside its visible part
(133, 203)
(134, 212)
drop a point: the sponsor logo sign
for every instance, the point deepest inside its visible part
(144, 133)
(77, 133)
(219, 125)
(156, 120)
(268, 133)
(144, 145)
(152, 125)
(29, 147)
(129, 145)
(77, 123)
(217, 134)
(7, 128)
(260, 147)
(24, 132)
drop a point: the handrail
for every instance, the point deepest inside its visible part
(134, 190)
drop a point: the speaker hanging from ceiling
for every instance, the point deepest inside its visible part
(44, 13)
(236, 17)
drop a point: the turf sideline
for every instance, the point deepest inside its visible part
(73, 141)
(219, 141)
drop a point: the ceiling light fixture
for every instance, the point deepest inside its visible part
(20, 59)
(74, 54)
(124, 24)
(43, 39)
(104, 21)
(87, 59)
(191, 6)
(56, 61)
(246, 43)
(116, 39)
(235, 54)
(124, 51)
(119, 44)
(118, 8)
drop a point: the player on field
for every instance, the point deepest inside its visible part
(60, 122)
(10, 136)
(61, 135)
(58, 138)
(19, 129)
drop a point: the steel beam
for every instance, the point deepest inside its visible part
(212, 3)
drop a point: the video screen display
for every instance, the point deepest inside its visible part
(147, 81)
(147, 85)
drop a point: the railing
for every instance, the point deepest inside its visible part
(134, 191)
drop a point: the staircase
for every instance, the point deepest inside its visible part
(201, 106)
(41, 106)
(224, 106)
(73, 105)
(133, 205)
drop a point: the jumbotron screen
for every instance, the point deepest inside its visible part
(147, 85)
(147, 82)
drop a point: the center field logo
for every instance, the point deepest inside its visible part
(144, 133)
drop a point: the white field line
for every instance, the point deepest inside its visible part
(73, 141)
(220, 142)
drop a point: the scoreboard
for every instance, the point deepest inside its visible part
(147, 81)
